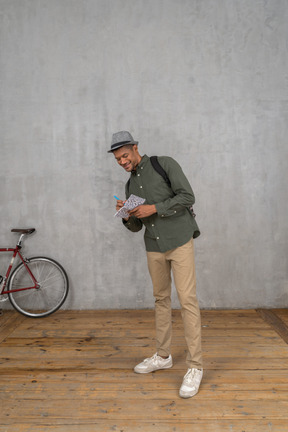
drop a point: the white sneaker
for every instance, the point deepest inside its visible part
(153, 363)
(191, 383)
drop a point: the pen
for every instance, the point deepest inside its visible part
(117, 198)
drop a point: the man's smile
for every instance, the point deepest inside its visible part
(127, 165)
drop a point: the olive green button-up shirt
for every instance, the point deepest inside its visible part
(173, 225)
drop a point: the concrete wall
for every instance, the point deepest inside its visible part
(204, 81)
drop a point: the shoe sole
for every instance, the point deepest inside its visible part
(186, 395)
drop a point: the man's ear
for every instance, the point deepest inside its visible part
(135, 148)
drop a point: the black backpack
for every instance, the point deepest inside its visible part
(160, 170)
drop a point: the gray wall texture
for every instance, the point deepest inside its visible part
(203, 81)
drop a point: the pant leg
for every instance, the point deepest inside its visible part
(160, 272)
(183, 267)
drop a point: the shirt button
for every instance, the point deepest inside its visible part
(138, 175)
(162, 215)
(157, 238)
(141, 167)
(175, 211)
(153, 225)
(140, 187)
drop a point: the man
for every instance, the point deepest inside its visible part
(170, 229)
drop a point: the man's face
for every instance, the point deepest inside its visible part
(127, 157)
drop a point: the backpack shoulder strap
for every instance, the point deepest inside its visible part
(156, 165)
(158, 168)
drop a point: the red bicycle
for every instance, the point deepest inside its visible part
(38, 286)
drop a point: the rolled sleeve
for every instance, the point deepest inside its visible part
(133, 224)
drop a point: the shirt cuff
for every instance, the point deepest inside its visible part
(162, 212)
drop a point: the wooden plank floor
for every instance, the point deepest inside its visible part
(73, 371)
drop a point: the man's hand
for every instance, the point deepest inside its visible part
(143, 211)
(119, 205)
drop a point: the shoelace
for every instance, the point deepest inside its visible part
(153, 358)
(190, 375)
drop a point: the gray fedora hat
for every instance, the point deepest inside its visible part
(119, 139)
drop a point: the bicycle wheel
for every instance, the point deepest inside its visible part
(50, 294)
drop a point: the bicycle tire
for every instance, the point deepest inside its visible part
(51, 294)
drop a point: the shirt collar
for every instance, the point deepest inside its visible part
(142, 163)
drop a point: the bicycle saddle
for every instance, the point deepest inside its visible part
(23, 231)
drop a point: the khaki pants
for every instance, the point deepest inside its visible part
(181, 261)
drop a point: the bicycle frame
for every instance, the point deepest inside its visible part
(16, 251)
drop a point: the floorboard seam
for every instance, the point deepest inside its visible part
(275, 322)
